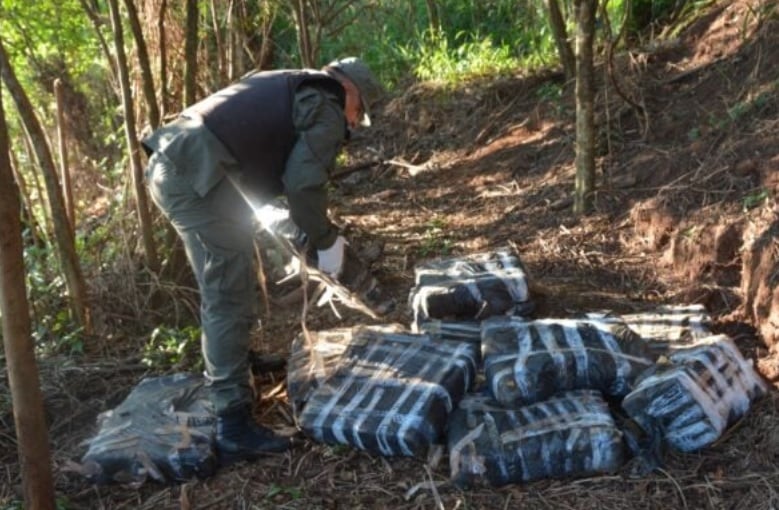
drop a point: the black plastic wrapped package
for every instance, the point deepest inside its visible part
(570, 435)
(529, 361)
(690, 398)
(162, 431)
(666, 327)
(452, 268)
(315, 356)
(451, 330)
(470, 288)
(385, 392)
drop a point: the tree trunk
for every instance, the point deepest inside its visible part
(265, 59)
(145, 65)
(141, 202)
(28, 214)
(234, 42)
(29, 418)
(39, 191)
(221, 46)
(163, 59)
(304, 36)
(63, 235)
(585, 94)
(67, 189)
(557, 23)
(190, 54)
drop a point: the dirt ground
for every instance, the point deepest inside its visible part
(687, 174)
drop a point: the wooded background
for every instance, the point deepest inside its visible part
(83, 80)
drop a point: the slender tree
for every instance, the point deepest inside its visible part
(163, 58)
(560, 33)
(28, 215)
(63, 234)
(190, 54)
(267, 18)
(136, 169)
(143, 62)
(67, 189)
(29, 418)
(316, 20)
(97, 22)
(305, 46)
(221, 51)
(585, 96)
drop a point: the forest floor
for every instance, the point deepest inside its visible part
(491, 164)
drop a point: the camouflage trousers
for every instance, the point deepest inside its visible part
(217, 233)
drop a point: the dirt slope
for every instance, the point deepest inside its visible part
(685, 212)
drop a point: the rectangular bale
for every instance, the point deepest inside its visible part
(569, 435)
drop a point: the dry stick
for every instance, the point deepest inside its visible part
(262, 279)
(676, 484)
(412, 169)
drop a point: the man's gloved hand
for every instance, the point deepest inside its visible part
(276, 220)
(331, 260)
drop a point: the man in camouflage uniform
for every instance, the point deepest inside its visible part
(272, 133)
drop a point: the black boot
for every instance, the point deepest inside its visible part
(239, 438)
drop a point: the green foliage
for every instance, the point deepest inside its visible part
(434, 240)
(472, 38)
(39, 34)
(436, 61)
(54, 330)
(752, 104)
(275, 491)
(169, 348)
(755, 199)
(337, 450)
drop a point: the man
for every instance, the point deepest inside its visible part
(272, 133)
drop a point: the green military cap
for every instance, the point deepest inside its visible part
(358, 72)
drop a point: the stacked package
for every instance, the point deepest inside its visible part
(667, 327)
(691, 399)
(451, 330)
(378, 390)
(571, 434)
(529, 361)
(470, 288)
(162, 431)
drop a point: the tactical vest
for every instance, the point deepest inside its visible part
(253, 119)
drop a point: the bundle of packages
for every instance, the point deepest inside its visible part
(572, 434)
(692, 397)
(529, 361)
(385, 392)
(470, 288)
(163, 430)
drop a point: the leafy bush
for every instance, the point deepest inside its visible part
(173, 348)
(437, 61)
